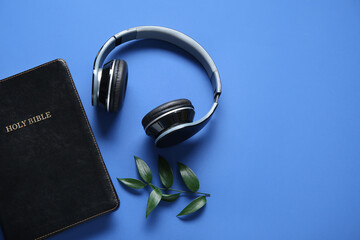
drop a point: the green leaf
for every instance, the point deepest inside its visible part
(132, 183)
(193, 206)
(165, 172)
(153, 201)
(189, 177)
(143, 169)
(170, 197)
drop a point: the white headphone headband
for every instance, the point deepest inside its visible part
(159, 33)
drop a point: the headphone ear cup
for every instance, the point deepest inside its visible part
(118, 85)
(104, 83)
(168, 115)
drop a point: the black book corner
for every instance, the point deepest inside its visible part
(52, 175)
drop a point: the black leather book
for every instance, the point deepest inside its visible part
(52, 175)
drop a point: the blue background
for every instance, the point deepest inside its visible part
(281, 156)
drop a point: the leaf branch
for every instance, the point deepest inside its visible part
(166, 177)
(180, 191)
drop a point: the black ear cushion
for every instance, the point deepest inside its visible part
(164, 108)
(118, 85)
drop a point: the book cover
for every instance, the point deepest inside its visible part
(52, 175)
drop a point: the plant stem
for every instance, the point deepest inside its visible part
(175, 190)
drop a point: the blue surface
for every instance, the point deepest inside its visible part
(281, 157)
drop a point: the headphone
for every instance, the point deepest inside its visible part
(171, 122)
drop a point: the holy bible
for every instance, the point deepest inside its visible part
(52, 175)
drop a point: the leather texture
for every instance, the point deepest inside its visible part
(119, 84)
(164, 108)
(52, 175)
